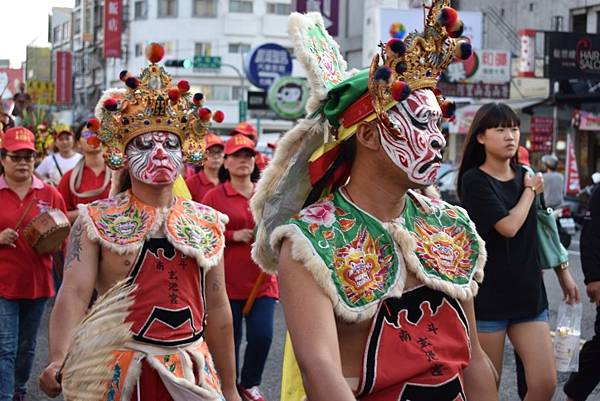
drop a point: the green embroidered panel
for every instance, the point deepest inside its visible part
(446, 244)
(356, 249)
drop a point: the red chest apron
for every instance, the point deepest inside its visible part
(169, 301)
(416, 350)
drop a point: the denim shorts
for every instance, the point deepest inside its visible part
(492, 326)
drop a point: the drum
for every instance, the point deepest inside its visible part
(47, 231)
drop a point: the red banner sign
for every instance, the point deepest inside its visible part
(64, 77)
(542, 128)
(572, 173)
(113, 15)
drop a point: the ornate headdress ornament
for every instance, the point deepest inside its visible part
(151, 103)
(418, 61)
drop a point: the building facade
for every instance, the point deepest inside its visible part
(228, 29)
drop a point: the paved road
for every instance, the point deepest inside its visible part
(272, 375)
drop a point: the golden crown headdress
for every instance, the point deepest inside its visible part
(418, 61)
(151, 103)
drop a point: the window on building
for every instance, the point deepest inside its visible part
(221, 92)
(240, 6)
(279, 8)
(139, 49)
(202, 49)
(530, 6)
(167, 8)
(140, 9)
(239, 48)
(65, 31)
(580, 23)
(204, 8)
(77, 23)
(77, 3)
(56, 34)
(237, 93)
(598, 22)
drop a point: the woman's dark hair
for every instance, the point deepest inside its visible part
(490, 115)
(224, 174)
(2, 155)
(80, 130)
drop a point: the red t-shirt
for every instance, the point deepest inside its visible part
(199, 185)
(89, 181)
(23, 273)
(240, 270)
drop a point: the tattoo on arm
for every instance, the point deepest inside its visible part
(74, 245)
(216, 285)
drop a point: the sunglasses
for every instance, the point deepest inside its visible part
(26, 157)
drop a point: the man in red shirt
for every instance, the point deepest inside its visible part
(249, 131)
(208, 177)
(25, 276)
(89, 180)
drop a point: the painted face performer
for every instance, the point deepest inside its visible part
(155, 259)
(385, 274)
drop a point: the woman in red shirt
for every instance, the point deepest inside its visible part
(25, 276)
(238, 174)
(208, 177)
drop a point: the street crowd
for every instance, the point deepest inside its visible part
(388, 292)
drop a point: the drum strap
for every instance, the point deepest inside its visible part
(56, 164)
(25, 212)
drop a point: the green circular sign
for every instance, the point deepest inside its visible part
(288, 96)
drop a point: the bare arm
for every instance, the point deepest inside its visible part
(480, 376)
(510, 225)
(315, 340)
(219, 330)
(80, 272)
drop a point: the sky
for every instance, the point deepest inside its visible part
(25, 22)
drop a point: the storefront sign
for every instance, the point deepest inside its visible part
(113, 15)
(266, 63)
(542, 128)
(475, 90)
(586, 121)
(288, 97)
(572, 55)
(63, 77)
(488, 66)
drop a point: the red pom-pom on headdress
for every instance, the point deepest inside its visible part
(448, 109)
(155, 52)
(219, 116)
(93, 124)
(447, 17)
(174, 95)
(205, 114)
(183, 86)
(132, 82)
(400, 90)
(110, 104)
(197, 99)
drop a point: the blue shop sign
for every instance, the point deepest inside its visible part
(266, 63)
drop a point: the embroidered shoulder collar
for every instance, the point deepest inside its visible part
(122, 224)
(358, 260)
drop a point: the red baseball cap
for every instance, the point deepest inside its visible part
(239, 142)
(211, 140)
(18, 138)
(245, 128)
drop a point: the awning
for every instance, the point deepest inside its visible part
(464, 115)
